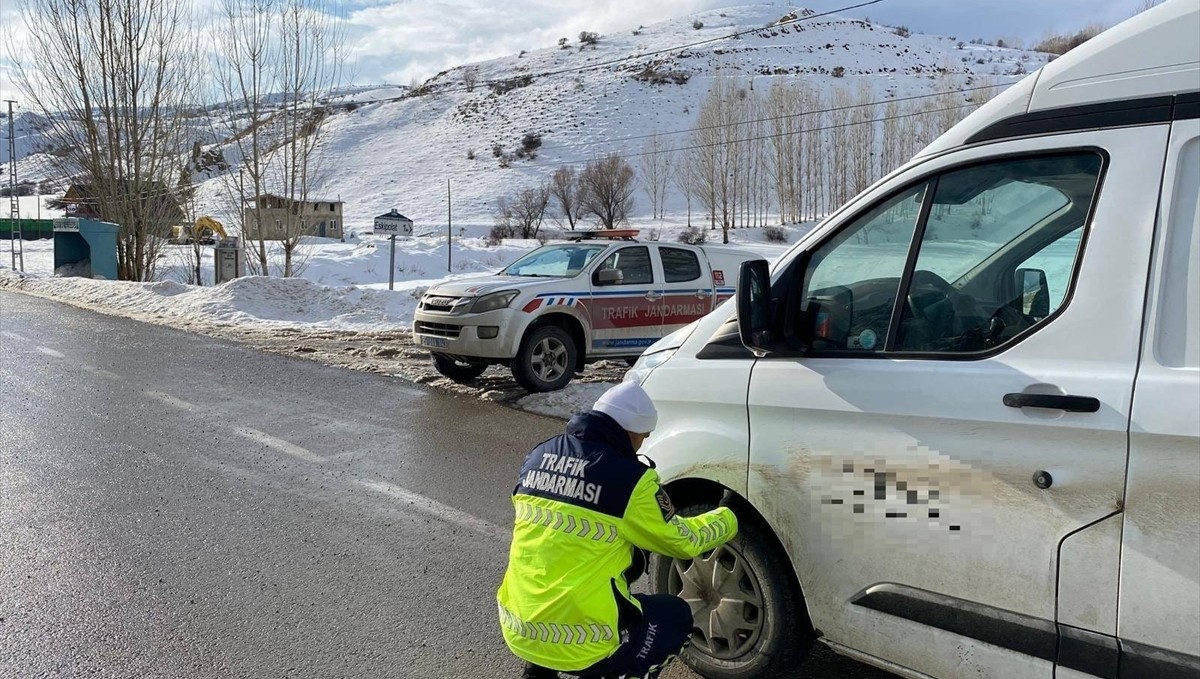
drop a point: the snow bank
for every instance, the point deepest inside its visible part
(255, 301)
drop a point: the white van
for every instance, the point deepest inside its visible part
(961, 419)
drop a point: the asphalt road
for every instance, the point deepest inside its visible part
(173, 505)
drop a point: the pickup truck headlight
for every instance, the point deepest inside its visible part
(493, 301)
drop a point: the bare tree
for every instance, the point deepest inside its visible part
(310, 65)
(193, 256)
(657, 156)
(564, 189)
(782, 106)
(950, 106)
(684, 176)
(719, 157)
(861, 151)
(839, 140)
(892, 148)
(815, 167)
(470, 77)
(606, 190)
(244, 34)
(521, 215)
(294, 50)
(1145, 5)
(113, 81)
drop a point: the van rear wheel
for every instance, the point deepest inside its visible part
(748, 610)
(459, 371)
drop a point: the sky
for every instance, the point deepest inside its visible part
(397, 41)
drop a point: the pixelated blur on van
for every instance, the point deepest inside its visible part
(967, 445)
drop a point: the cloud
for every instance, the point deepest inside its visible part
(397, 41)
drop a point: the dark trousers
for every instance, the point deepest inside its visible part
(664, 630)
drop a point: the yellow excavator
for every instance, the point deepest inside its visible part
(205, 231)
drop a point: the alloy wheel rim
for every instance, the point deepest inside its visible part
(549, 359)
(726, 601)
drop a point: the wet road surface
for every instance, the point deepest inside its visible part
(173, 505)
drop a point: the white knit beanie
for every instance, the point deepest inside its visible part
(630, 406)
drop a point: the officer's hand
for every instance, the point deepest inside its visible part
(727, 498)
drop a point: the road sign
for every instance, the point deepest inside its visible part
(393, 224)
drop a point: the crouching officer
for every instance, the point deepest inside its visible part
(585, 508)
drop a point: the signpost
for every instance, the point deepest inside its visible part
(393, 224)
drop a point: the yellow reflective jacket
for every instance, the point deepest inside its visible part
(583, 503)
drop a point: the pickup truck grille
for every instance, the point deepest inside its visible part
(438, 329)
(434, 303)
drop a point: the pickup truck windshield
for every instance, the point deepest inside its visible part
(554, 261)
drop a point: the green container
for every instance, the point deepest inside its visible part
(30, 229)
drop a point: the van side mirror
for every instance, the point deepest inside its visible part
(754, 306)
(1035, 292)
(610, 277)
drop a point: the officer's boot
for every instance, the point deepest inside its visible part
(538, 672)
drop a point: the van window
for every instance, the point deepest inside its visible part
(853, 278)
(976, 283)
(995, 252)
(679, 265)
(633, 263)
(1057, 260)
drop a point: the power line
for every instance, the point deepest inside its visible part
(628, 155)
(800, 131)
(835, 109)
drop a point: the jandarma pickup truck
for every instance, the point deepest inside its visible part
(604, 295)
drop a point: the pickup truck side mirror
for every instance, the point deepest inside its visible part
(754, 306)
(610, 277)
(1035, 292)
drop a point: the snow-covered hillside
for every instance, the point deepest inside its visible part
(401, 152)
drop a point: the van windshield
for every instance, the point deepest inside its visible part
(554, 261)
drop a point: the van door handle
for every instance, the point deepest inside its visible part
(703, 294)
(653, 296)
(1071, 404)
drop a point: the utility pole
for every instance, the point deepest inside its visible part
(449, 233)
(14, 201)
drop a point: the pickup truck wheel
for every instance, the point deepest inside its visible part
(459, 371)
(749, 614)
(546, 360)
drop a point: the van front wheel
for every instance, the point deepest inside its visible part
(749, 618)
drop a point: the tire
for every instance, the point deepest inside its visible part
(773, 636)
(459, 371)
(546, 360)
